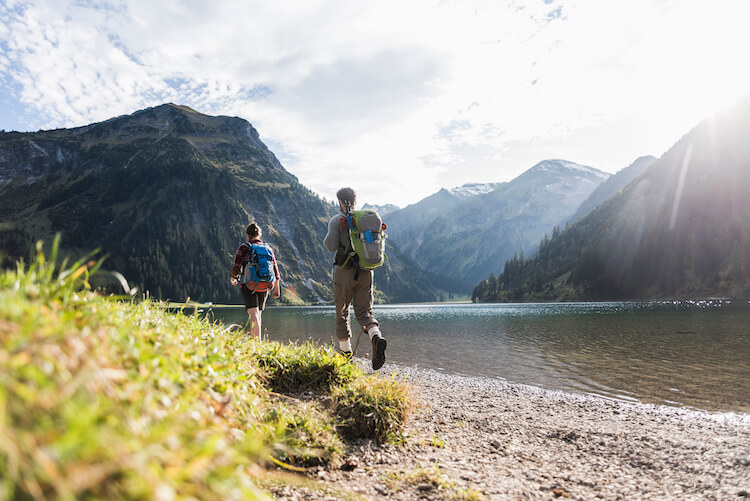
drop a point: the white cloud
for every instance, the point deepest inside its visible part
(396, 98)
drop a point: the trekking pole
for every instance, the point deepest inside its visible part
(354, 352)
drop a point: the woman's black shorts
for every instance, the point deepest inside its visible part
(254, 299)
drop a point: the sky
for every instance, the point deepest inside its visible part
(395, 98)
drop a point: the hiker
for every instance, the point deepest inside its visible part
(351, 283)
(256, 271)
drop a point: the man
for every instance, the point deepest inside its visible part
(254, 294)
(351, 285)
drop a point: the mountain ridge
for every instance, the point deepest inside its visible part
(167, 193)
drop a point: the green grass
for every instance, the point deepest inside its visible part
(437, 442)
(372, 408)
(295, 368)
(107, 397)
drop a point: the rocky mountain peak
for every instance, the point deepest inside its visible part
(172, 119)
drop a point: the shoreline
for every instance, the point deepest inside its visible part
(500, 440)
(458, 377)
(499, 384)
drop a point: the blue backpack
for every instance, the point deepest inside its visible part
(258, 274)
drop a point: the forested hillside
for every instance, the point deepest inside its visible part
(167, 192)
(681, 230)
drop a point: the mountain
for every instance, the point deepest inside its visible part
(681, 230)
(464, 238)
(167, 192)
(612, 185)
(410, 223)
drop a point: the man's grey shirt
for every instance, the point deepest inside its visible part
(336, 237)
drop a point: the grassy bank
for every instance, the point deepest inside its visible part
(104, 397)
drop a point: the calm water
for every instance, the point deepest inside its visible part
(686, 354)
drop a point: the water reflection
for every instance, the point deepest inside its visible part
(683, 353)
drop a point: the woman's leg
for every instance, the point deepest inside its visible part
(254, 314)
(254, 304)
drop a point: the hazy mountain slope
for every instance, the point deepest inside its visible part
(681, 230)
(407, 226)
(167, 193)
(612, 185)
(464, 239)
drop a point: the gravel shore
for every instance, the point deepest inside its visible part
(475, 438)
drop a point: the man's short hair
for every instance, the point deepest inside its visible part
(347, 195)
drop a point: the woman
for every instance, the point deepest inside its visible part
(256, 270)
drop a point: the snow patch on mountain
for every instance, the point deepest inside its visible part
(381, 209)
(473, 189)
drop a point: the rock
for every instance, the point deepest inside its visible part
(350, 463)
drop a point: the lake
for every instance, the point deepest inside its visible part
(692, 354)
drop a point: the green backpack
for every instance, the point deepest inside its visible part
(367, 237)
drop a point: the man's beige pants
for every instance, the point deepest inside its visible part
(346, 291)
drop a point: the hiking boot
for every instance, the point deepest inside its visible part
(347, 355)
(378, 351)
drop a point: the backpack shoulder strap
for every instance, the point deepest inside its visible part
(250, 250)
(351, 254)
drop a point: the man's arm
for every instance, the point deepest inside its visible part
(277, 284)
(332, 239)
